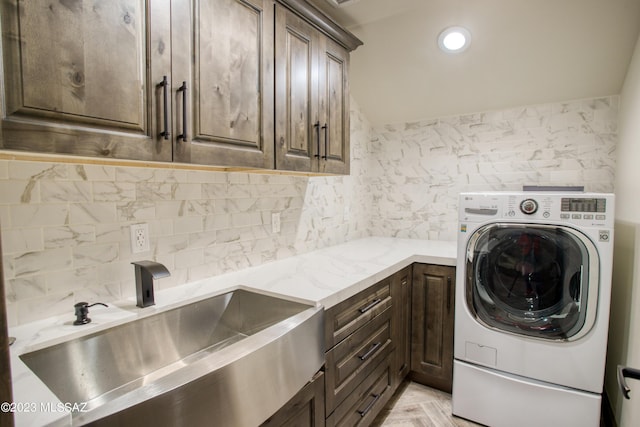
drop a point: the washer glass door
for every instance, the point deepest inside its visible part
(534, 280)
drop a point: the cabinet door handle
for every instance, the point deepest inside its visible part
(370, 306)
(449, 293)
(366, 410)
(183, 89)
(165, 89)
(623, 372)
(326, 141)
(371, 351)
(317, 126)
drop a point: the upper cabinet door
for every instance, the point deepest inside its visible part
(312, 98)
(297, 121)
(334, 108)
(79, 80)
(230, 84)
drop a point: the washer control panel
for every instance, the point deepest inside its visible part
(581, 209)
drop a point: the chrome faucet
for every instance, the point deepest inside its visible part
(146, 272)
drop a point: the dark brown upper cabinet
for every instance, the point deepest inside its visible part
(227, 65)
(82, 77)
(190, 81)
(312, 98)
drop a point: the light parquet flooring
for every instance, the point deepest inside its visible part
(415, 405)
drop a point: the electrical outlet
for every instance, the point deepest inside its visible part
(139, 238)
(275, 222)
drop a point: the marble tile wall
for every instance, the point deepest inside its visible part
(66, 238)
(418, 169)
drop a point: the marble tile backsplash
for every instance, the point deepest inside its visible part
(65, 227)
(419, 168)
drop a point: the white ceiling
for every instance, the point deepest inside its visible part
(522, 52)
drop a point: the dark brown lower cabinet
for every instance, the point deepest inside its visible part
(402, 325)
(360, 356)
(305, 409)
(364, 403)
(401, 334)
(432, 320)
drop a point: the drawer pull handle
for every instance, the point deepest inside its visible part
(366, 410)
(370, 352)
(370, 306)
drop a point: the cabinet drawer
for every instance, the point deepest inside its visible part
(353, 359)
(345, 318)
(365, 402)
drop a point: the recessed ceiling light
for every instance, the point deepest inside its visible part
(454, 39)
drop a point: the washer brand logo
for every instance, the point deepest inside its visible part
(604, 235)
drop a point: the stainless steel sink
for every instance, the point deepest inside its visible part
(230, 360)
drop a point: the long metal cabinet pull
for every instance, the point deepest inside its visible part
(366, 410)
(448, 293)
(370, 306)
(372, 350)
(183, 89)
(326, 141)
(317, 126)
(165, 89)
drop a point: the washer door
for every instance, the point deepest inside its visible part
(535, 280)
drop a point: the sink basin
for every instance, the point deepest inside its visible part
(234, 358)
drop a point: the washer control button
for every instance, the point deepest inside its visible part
(546, 214)
(565, 216)
(529, 206)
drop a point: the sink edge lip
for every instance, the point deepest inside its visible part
(136, 313)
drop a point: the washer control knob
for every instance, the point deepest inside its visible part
(529, 206)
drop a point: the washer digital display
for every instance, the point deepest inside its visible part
(583, 205)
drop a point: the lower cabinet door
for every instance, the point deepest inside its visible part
(305, 409)
(432, 315)
(401, 327)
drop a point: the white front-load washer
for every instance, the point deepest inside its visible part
(532, 307)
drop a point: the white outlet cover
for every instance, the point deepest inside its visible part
(275, 222)
(140, 238)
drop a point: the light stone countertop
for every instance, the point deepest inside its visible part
(326, 276)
